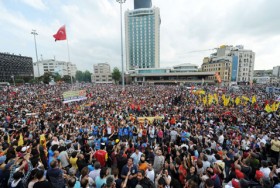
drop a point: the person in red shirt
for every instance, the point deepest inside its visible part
(101, 155)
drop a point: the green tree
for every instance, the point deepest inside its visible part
(46, 78)
(87, 76)
(67, 78)
(79, 76)
(116, 75)
(255, 81)
(56, 77)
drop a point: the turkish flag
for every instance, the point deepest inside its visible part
(61, 34)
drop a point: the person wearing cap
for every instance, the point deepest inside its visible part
(101, 155)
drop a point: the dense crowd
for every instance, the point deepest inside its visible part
(143, 136)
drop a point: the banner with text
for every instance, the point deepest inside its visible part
(71, 96)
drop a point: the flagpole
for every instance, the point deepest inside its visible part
(69, 62)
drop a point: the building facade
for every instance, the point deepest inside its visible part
(276, 71)
(14, 65)
(186, 67)
(142, 4)
(142, 38)
(235, 65)
(170, 76)
(61, 67)
(102, 73)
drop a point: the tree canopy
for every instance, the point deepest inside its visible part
(83, 76)
(116, 75)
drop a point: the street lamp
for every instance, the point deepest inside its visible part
(121, 2)
(34, 33)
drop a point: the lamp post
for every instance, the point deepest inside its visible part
(34, 33)
(121, 2)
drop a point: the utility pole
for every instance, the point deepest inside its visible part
(121, 2)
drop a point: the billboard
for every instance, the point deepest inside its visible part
(142, 4)
(234, 68)
(71, 96)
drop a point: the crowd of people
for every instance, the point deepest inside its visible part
(144, 136)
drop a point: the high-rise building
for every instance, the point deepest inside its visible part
(50, 65)
(102, 73)
(14, 65)
(233, 64)
(142, 38)
(276, 71)
(142, 4)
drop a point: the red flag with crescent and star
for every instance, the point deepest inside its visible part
(61, 34)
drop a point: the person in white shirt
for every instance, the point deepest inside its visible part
(173, 135)
(221, 139)
(136, 156)
(265, 169)
(150, 173)
(55, 141)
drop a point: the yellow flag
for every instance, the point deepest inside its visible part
(245, 98)
(204, 100)
(210, 99)
(273, 107)
(237, 100)
(226, 101)
(216, 98)
(223, 97)
(20, 140)
(277, 106)
(202, 92)
(43, 140)
(267, 108)
(254, 99)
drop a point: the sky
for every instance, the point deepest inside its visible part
(93, 30)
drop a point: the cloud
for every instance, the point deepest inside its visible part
(37, 4)
(93, 29)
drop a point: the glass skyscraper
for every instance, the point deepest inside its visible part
(142, 38)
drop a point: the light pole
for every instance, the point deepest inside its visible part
(121, 2)
(34, 33)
